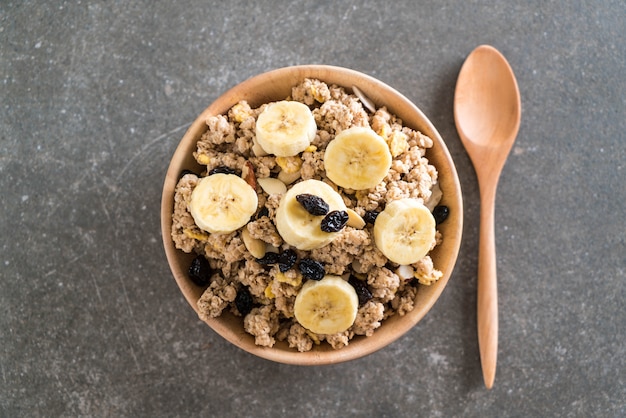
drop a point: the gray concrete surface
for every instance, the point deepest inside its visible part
(95, 96)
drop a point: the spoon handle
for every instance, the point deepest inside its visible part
(487, 299)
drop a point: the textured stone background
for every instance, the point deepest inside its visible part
(95, 96)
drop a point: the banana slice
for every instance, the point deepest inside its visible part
(327, 306)
(285, 128)
(222, 203)
(358, 158)
(297, 226)
(404, 231)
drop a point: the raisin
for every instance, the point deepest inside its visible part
(263, 212)
(311, 269)
(200, 271)
(222, 170)
(362, 291)
(268, 258)
(286, 260)
(185, 172)
(244, 301)
(315, 205)
(440, 213)
(334, 221)
(370, 216)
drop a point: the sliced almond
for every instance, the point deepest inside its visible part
(355, 220)
(254, 245)
(269, 248)
(247, 173)
(271, 185)
(435, 197)
(257, 150)
(357, 267)
(288, 178)
(367, 102)
(405, 272)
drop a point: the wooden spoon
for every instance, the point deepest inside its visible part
(487, 112)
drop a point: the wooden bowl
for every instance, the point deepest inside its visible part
(276, 85)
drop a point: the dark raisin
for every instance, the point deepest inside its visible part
(362, 291)
(315, 205)
(286, 260)
(268, 258)
(334, 221)
(185, 172)
(370, 216)
(440, 213)
(222, 170)
(244, 301)
(263, 212)
(200, 271)
(311, 269)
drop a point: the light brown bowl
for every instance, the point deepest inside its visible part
(276, 85)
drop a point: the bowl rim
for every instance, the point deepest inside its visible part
(393, 327)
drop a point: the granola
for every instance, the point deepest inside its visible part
(229, 141)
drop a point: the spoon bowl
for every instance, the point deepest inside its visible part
(487, 113)
(487, 101)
